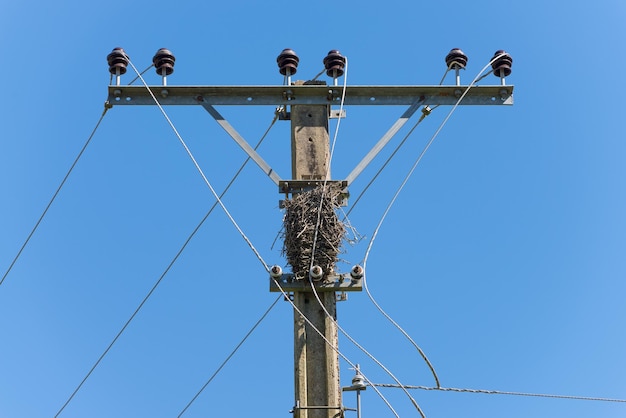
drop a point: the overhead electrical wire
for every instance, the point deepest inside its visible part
(232, 353)
(330, 159)
(167, 269)
(367, 353)
(421, 155)
(426, 111)
(315, 237)
(500, 392)
(388, 208)
(332, 346)
(199, 169)
(107, 106)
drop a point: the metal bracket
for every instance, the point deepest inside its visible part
(335, 283)
(291, 187)
(337, 114)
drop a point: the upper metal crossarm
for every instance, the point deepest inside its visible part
(310, 94)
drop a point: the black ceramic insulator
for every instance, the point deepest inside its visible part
(456, 56)
(288, 61)
(117, 60)
(163, 61)
(502, 66)
(334, 63)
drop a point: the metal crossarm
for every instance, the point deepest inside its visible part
(310, 94)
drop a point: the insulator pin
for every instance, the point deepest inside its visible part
(456, 59)
(118, 61)
(334, 63)
(502, 66)
(288, 62)
(163, 61)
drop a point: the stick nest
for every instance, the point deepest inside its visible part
(300, 221)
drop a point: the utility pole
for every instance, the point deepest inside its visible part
(316, 363)
(308, 105)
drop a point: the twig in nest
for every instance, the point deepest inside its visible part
(300, 222)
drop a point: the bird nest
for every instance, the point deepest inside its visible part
(304, 214)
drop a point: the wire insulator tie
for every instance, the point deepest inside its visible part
(456, 60)
(502, 66)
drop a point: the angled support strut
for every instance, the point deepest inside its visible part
(243, 143)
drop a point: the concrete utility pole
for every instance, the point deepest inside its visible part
(316, 363)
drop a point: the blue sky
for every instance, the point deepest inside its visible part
(503, 256)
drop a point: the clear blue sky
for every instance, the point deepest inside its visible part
(503, 257)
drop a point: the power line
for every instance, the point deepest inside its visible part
(394, 198)
(315, 237)
(232, 353)
(425, 112)
(330, 159)
(500, 392)
(199, 169)
(367, 353)
(167, 269)
(107, 106)
(332, 347)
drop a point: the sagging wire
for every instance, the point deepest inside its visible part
(367, 353)
(426, 110)
(500, 392)
(167, 269)
(330, 159)
(332, 346)
(315, 237)
(400, 188)
(419, 158)
(199, 169)
(232, 353)
(107, 106)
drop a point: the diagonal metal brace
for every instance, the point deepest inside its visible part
(384, 140)
(242, 143)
